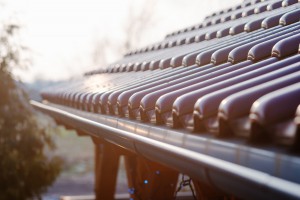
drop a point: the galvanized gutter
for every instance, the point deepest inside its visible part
(233, 167)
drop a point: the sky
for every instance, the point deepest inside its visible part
(62, 34)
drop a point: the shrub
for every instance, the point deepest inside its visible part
(25, 170)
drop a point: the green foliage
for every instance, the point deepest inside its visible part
(25, 170)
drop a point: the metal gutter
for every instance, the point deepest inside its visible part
(235, 168)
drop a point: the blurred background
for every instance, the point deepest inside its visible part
(65, 38)
(69, 37)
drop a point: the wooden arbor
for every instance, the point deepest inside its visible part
(146, 179)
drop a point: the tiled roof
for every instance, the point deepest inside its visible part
(230, 84)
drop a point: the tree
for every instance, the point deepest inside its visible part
(25, 170)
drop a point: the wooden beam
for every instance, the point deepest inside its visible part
(106, 169)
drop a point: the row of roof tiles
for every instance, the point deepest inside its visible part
(186, 54)
(245, 85)
(211, 29)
